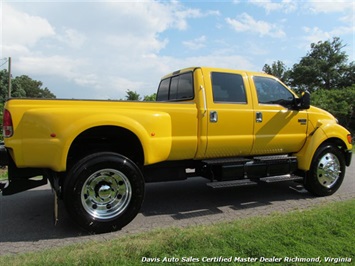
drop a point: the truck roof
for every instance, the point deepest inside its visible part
(211, 69)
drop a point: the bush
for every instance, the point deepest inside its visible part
(340, 103)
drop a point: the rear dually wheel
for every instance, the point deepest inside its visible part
(103, 192)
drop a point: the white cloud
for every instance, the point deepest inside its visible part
(316, 34)
(22, 29)
(155, 16)
(72, 38)
(115, 87)
(180, 14)
(286, 6)
(131, 44)
(152, 68)
(196, 43)
(321, 6)
(99, 49)
(140, 18)
(14, 49)
(246, 23)
(89, 80)
(60, 66)
(257, 48)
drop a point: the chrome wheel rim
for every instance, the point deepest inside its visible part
(106, 194)
(328, 170)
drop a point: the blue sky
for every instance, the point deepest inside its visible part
(99, 49)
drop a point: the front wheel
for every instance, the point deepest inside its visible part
(103, 192)
(327, 171)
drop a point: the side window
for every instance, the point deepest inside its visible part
(228, 87)
(185, 87)
(176, 88)
(270, 91)
(163, 91)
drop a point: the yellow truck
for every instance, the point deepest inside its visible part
(232, 127)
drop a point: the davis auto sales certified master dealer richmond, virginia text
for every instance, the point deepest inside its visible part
(222, 259)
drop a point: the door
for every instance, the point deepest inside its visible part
(277, 128)
(230, 116)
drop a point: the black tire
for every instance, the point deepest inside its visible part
(103, 192)
(327, 171)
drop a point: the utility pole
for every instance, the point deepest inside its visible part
(9, 70)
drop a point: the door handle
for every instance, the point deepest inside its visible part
(259, 117)
(213, 116)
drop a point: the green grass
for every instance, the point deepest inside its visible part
(326, 231)
(3, 174)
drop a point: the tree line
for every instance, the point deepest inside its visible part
(135, 96)
(22, 87)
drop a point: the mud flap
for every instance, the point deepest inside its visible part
(55, 213)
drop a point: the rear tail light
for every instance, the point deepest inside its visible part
(7, 127)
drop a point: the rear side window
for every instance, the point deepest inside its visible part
(228, 87)
(163, 92)
(177, 88)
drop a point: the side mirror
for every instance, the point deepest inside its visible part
(304, 102)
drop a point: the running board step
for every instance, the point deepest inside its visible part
(274, 158)
(239, 168)
(226, 161)
(248, 182)
(280, 178)
(232, 183)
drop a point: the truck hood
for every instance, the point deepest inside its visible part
(318, 117)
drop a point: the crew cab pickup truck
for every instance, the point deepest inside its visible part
(232, 127)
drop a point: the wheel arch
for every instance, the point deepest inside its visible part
(106, 138)
(315, 141)
(144, 137)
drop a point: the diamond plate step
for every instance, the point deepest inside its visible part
(280, 178)
(233, 183)
(226, 161)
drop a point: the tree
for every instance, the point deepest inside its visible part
(132, 96)
(325, 66)
(339, 102)
(32, 88)
(22, 86)
(17, 89)
(277, 69)
(348, 78)
(150, 98)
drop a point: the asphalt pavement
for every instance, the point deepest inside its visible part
(27, 224)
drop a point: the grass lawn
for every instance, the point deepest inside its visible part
(3, 174)
(319, 234)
